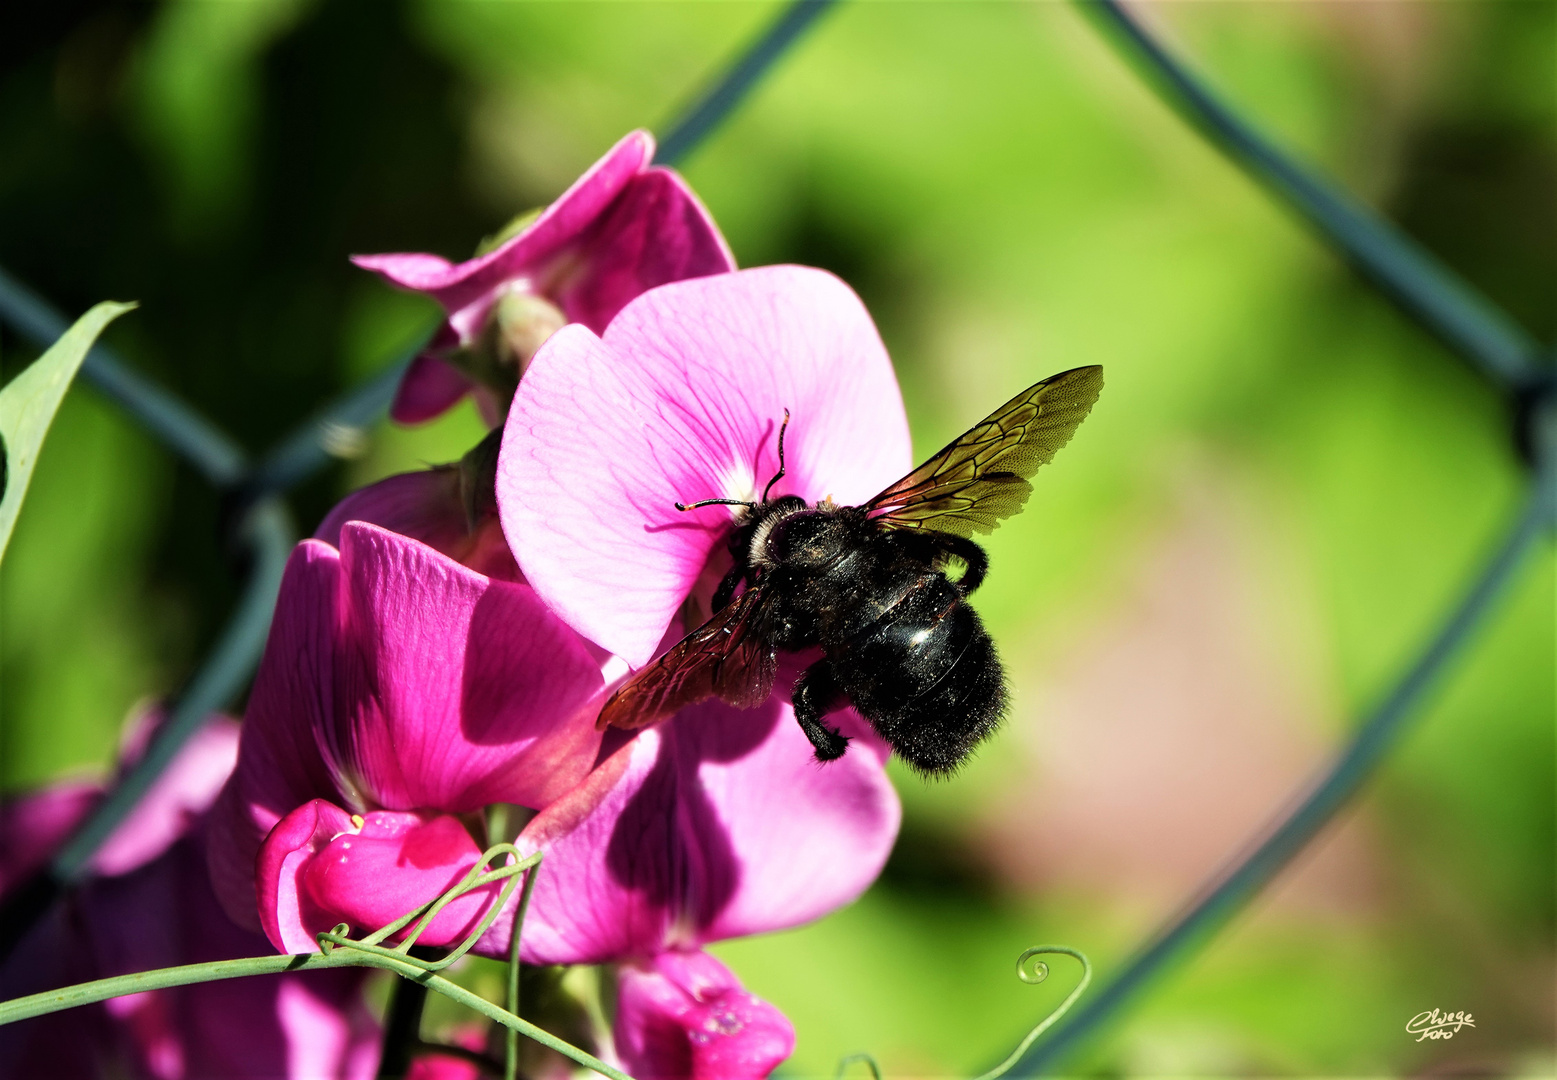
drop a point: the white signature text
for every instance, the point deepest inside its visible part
(1434, 1024)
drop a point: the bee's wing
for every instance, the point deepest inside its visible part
(726, 656)
(982, 476)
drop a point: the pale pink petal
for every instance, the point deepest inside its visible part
(685, 1016)
(682, 400)
(324, 1035)
(429, 388)
(33, 826)
(461, 691)
(716, 824)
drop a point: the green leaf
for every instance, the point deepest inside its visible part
(29, 401)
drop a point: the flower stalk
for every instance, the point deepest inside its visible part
(339, 950)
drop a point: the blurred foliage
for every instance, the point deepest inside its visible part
(1010, 202)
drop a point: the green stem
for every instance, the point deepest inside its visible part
(70, 997)
(511, 1050)
(1042, 973)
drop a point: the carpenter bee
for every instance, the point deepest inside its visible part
(869, 586)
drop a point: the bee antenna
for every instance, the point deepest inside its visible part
(780, 474)
(716, 502)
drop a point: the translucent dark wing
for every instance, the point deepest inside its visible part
(982, 477)
(724, 657)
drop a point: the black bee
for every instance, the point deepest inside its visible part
(868, 585)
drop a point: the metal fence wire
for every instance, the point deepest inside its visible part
(1426, 291)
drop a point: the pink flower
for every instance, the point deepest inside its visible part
(716, 824)
(623, 227)
(398, 689)
(154, 908)
(685, 1015)
(679, 400)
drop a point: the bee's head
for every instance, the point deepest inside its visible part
(798, 538)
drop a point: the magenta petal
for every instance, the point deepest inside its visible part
(282, 755)
(423, 505)
(394, 864)
(435, 1066)
(395, 678)
(684, 1016)
(287, 911)
(716, 824)
(430, 387)
(320, 867)
(462, 690)
(682, 400)
(457, 286)
(558, 226)
(426, 506)
(410, 270)
(655, 233)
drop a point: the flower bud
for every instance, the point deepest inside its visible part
(524, 321)
(517, 325)
(478, 480)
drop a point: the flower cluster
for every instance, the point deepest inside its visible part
(150, 905)
(443, 645)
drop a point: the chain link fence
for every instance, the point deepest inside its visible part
(1426, 291)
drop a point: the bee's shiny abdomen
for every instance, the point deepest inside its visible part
(924, 673)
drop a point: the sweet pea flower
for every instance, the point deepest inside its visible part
(681, 399)
(399, 689)
(152, 906)
(623, 227)
(716, 824)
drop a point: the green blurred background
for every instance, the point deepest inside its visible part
(1284, 485)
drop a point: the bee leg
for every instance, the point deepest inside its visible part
(973, 557)
(726, 591)
(817, 693)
